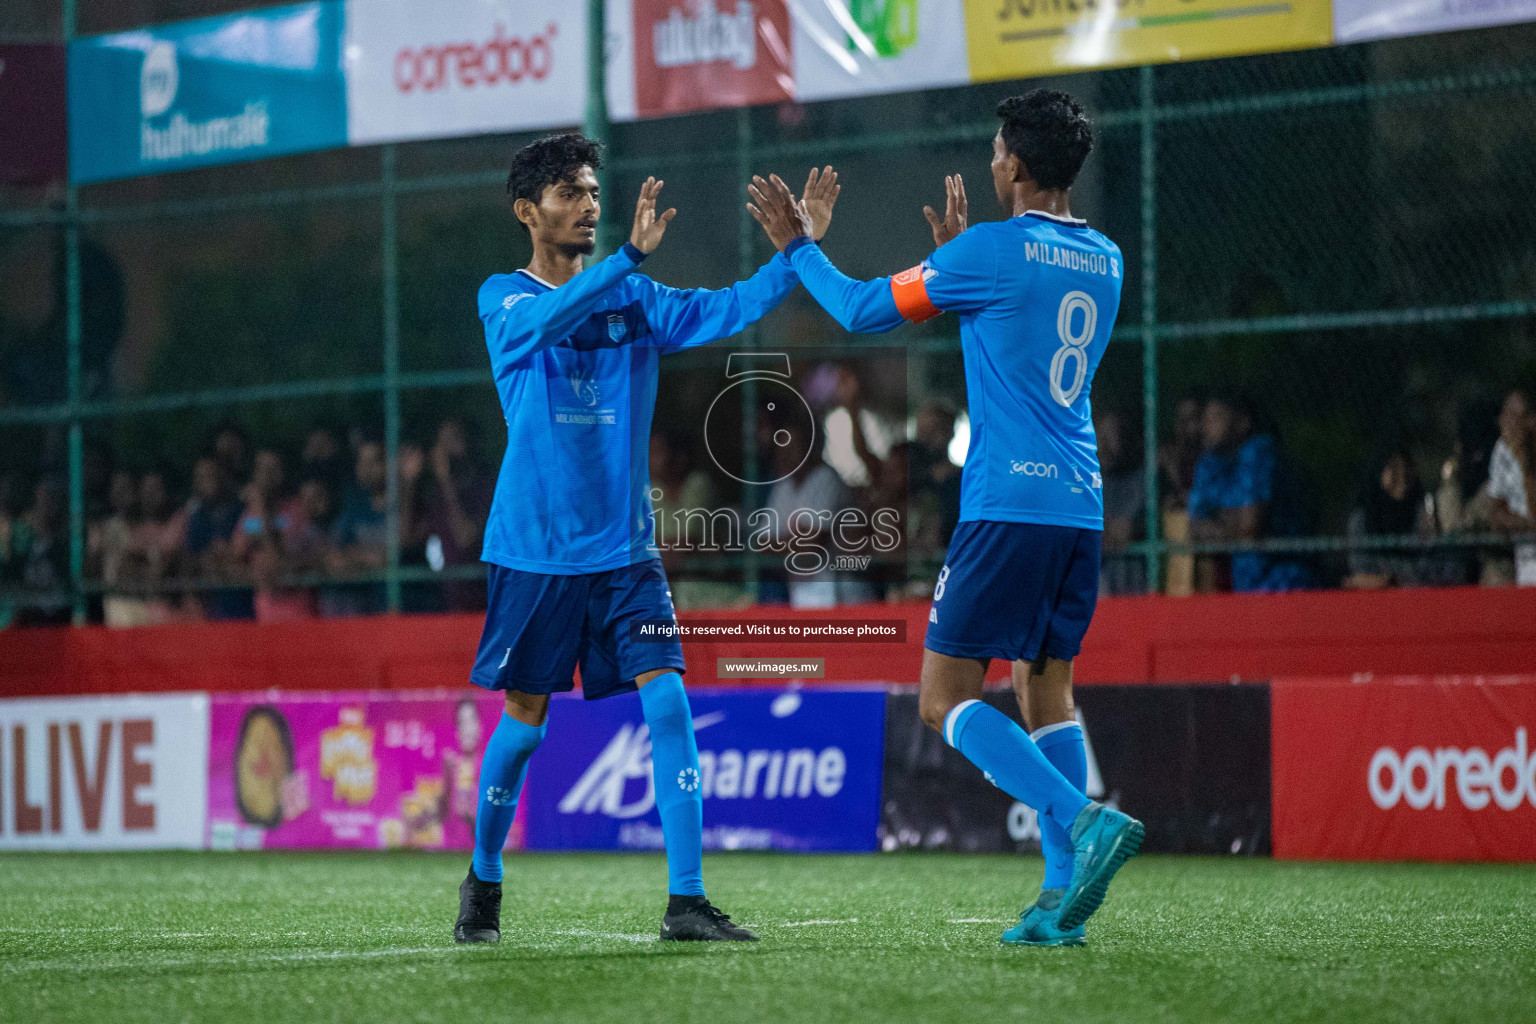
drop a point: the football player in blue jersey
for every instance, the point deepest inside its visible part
(570, 538)
(1036, 295)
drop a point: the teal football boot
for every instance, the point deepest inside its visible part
(1039, 924)
(1102, 841)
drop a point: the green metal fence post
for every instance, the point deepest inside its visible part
(391, 293)
(595, 126)
(1149, 323)
(73, 333)
(745, 265)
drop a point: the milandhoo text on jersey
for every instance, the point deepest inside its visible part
(1422, 777)
(1071, 259)
(712, 36)
(729, 774)
(501, 58)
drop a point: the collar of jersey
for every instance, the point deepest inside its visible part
(1071, 222)
(535, 278)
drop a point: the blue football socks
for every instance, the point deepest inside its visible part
(1062, 745)
(994, 743)
(675, 764)
(502, 770)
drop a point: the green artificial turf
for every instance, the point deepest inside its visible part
(274, 938)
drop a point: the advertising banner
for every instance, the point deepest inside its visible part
(348, 770)
(1025, 38)
(103, 773)
(859, 47)
(779, 769)
(32, 130)
(1356, 21)
(675, 56)
(1405, 768)
(211, 91)
(1192, 762)
(421, 69)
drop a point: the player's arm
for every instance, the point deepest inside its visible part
(518, 324)
(688, 318)
(958, 277)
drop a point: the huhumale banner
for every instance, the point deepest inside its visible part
(348, 770)
(210, 91)
(779, 769)
(1405, 768)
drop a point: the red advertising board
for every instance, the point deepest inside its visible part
(1404, 768)
(32, 124)
(699, 54)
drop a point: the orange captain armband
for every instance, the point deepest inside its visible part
(910, 291)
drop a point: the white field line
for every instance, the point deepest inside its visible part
(84, 966)
(805, 924)
(980, 920)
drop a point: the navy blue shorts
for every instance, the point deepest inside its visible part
(1015, 591)
(538, 628)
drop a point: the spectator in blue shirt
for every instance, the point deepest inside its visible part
(1242, 492)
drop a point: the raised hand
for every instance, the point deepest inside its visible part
(776, 210)
(648, 229)
(955, 211)
(820, 195)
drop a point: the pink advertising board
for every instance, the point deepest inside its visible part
(348, 770)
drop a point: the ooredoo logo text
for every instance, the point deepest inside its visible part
(1424, 778)
(503, 58)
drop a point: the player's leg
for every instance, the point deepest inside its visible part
(533, 627)
(1044, 691)
(617, 660)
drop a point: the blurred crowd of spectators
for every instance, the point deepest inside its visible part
(1225, 478)
(252, 532)
(259, 533)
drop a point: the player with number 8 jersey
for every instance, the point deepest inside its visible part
(1036, 295)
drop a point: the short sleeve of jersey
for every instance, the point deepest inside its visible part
(959, 277)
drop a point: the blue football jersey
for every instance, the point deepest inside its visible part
(1037, 297)
(576, 369)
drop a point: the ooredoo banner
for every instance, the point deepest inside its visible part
(103, 773)
(210, 91)
(1355, 21)
(1405, 768)
(462, 67)
(779, 769)
(348, 770)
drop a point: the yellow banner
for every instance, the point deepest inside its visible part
(1025, 38)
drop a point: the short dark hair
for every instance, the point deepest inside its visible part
(1050, 133)
(549, 161)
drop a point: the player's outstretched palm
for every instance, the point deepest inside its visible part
(649, 227)
(776, 209)
(956, 212)
(820, 195)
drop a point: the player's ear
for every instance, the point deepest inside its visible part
(526, 212)
(1017, 172)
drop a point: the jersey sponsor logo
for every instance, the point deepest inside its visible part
(584, 387)
(1044, 469)
(1069, 258)
(910, 290)
(1423, 777)
(514, 299)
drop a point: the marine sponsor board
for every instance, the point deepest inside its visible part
(779, 769)
(103, 773)
(1024, 38)
(462, 67)
(1405, 768)
(210, 91)
(1355, 21)
(348, 770)
(32, 120)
